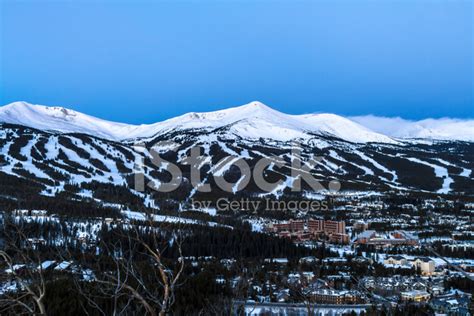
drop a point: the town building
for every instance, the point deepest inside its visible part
(371, 237)
(360, 226)
(415, 296)
(325, 296)
(424, 264)
(396, 260)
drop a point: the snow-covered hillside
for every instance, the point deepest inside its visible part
(251, 121)
(77, 164)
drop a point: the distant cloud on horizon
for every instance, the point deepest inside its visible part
(441, 128)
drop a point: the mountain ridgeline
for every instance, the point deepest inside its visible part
(41, 164)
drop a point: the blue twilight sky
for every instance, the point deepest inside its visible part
(144, 61)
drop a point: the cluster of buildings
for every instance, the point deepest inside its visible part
(424, 264)
(312, 229)
(335, 232)
(396, 238)
(369, 270)
(452, 304)
(398, 288)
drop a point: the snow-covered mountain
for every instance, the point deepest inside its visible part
(50, 150)
(251, 121)
(254, 120)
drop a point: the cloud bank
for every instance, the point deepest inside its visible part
(443, 128)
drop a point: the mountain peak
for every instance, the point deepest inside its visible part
(21, 106)
(18, 105)
(255, 106)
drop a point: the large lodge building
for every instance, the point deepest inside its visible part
(371, 237)
(312, 229)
